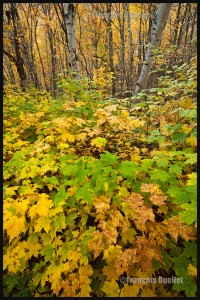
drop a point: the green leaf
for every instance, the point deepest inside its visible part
(180, 195)
(52, 180)
(70, 219)
(109, 159)
(128, 169)
(159, 175)
(146, 164)
(175, 169)
(191, 158)
(189, 215)
(190, 251)
(162, 162)
(61, 195)
(85, 193)
(48, 252)
(178, 137)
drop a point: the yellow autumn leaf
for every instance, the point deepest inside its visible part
(42, 207)
(81, 136)
(15, 226)
(68, 136)
(99, 142)
(111, 288)
(192, 270)
(43, 223)
(10, 191)
(130, 290)
(106, 186)
(192, 141)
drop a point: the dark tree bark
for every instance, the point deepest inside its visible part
(17, 59)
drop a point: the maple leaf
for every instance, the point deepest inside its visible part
(131, 290)
(146, 250)
(14, 226)
(99, 142)
(151, 187)
(141, 212)
(42, 207)
(111, 288)
(192, 270)
(158, 199)
(43, 223)
(96, 243)
(175, 227)
(67, 136)
(81, 136)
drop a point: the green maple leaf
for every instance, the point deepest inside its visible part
(109, 159)
(146, 164)
(189, 215)
(178, 137)
(61, 195)
(191, 158)
(48, 252)
(85, 193)
(180, 195)
(52, 180)
(70, 219)
(128, 169)
(191, 251)
(175, 169)
(160, 175)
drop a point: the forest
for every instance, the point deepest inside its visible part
(99, 149)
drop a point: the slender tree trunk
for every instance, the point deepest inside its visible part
(53, 59)
(38, 49)
(121, 20)
(156, 36)
(71, 38)
(131, 49)
(176, 24)
(181, 31)
(8, 66)
(110, 42)
(140, 42)
(18, 60)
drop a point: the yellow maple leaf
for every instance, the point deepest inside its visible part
(10, 191)
(43, 223)
(81, 136)
(68, 136)
(192, 141)
(192, 270)
(130, 290)
(111, 288)
(15, 226)
(99, 142)
(42, 207)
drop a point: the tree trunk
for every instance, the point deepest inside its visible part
(121, 20)
(140, 42)
(156, 35)
(8, 66)
(131, 49)
(110, 44)
(71, 38)
(176, 24)
(18, 59)
(53, 59)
